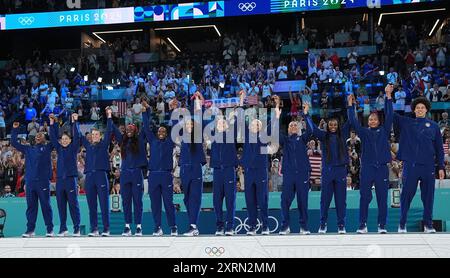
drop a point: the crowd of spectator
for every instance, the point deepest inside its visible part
(32, 89)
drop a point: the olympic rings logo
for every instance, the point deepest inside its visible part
(247, 7)
(243, 224)
(25, 20)
(214, 251)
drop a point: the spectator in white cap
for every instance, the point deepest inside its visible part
(254, 90)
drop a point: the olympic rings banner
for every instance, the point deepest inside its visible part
(175, 12)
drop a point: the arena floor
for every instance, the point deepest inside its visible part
(322, 246)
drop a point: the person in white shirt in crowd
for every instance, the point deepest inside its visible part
(282, 71)
(400, 97)
(444, 122)
(392, 76)
(271, 73)
(43, 92)
(207, 69)
(348, 81)
(32, 128)
(338, 76)
(426, 76)
(160, 109)
(323, 74)
(352, 57)
(327, 64)
(137, 111)
(267, 89)
(244, 85)
(115, 109)
(169, 94)
(68, 102)
(150, 88)
(52, 97)
(94, 112)
(214, 91)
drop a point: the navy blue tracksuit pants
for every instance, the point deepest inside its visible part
(38, 191)
(160, 184)
(334, 182)
(132, 190)
(224, 186)
(295, 184)
(97, 184)
(256, 196)
(412, 173)
(67, 192)
(192, 182)
(378, 175)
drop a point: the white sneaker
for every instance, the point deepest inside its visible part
(138, 231)
(174, 231)
(285, 232)
(63, 234)
(94, 234)
(126, 231)
(192, 232)
(229, 233)
(220, 232)
(158, 232)
(51, 234)
(322, 229)
(76, 234)
(429, 230)
(362, 230)
(341, 231)
(28, 234)
(382, 230)
(402, 230)
(105, 234)
(251, 232)
(265, 232)
(304, 232)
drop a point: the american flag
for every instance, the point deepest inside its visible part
(122, 108)
(252, 100)
(315, 160)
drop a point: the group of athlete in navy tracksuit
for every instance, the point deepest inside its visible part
(421, 150)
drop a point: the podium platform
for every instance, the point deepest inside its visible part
(273, 246)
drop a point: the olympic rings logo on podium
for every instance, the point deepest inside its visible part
(247, 7)
(214, 251)
(273, 225)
